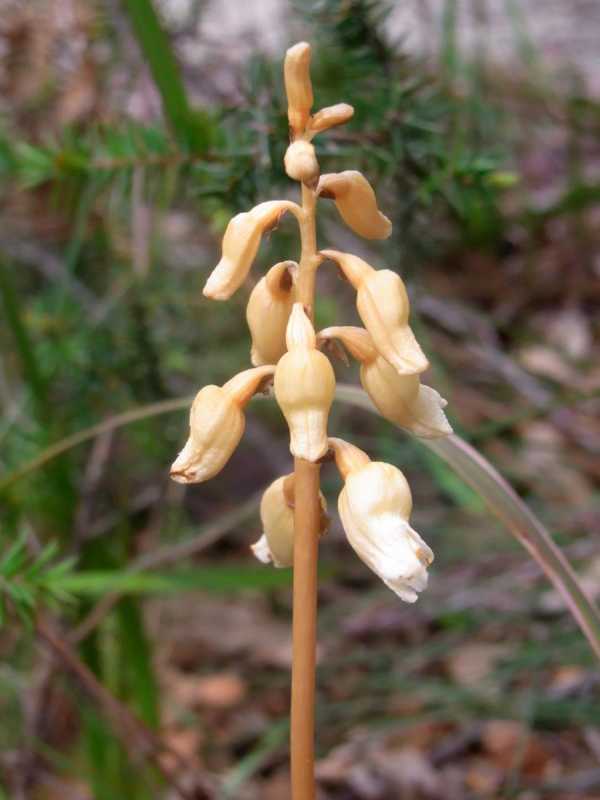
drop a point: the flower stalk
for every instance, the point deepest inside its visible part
(307, 512)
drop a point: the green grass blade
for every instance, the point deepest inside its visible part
(137, 661)
(237, 577)
(192, 128)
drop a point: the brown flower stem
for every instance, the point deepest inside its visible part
(307, 513)
(304, 633)
(309, 260)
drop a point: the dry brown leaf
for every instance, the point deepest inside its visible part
(474, 663)
(512, 745)
(483, 777)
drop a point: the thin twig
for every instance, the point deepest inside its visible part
(168, 555)
(131, 730)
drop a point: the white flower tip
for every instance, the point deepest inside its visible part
(430, 422)
(261, 550)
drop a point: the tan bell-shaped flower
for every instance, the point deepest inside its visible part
(384, 308)
(268, 312)
(298, 86)
(329, 117)
(301, 163)
(375, 506)
(276, 544)
(401, 399)
(240, 245)
(304, 388)
(216, 425)
(356, 202)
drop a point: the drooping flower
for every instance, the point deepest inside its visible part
(276, 544)
(240, 246)
(355, 200)
(268, 312)
(304, 388)
(401, 399)
(375, 506)
(216, 425)
(384, 308)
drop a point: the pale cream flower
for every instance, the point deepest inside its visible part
(298, 86)
(301, 163)
(268, 312)
(276, 544)
(375, 506)
(216, 425)
(240, 245)
(355, 200)
(401, 399)
(329, 117)
(384, 308)
(304, 388)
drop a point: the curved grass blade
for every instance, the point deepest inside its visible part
(500, 498)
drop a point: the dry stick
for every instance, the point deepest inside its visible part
(126, 725)
(306, 527)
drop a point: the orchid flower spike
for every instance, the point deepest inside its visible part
(304, 388)
(268, 312)
(355, 200)
(401, 399)
(276, 545)
(216, 425)
(375, 506)
(384, 308)
(240, 245)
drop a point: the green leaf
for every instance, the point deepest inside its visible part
(137, 657)
(213, 579)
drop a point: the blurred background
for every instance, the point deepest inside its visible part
(142, 650)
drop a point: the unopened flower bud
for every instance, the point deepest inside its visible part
(301, 162)
(384, 308)
(268, 312)
(356, 202)
(298, 86)
(240, 245)
(304, 388)
(401, 399)
(375, 506)
(277, 516)
(330, 116)
(216, 426)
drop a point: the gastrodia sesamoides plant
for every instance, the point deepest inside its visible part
(375, 502)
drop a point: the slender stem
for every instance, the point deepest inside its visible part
(306, 527)
(304, 629)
